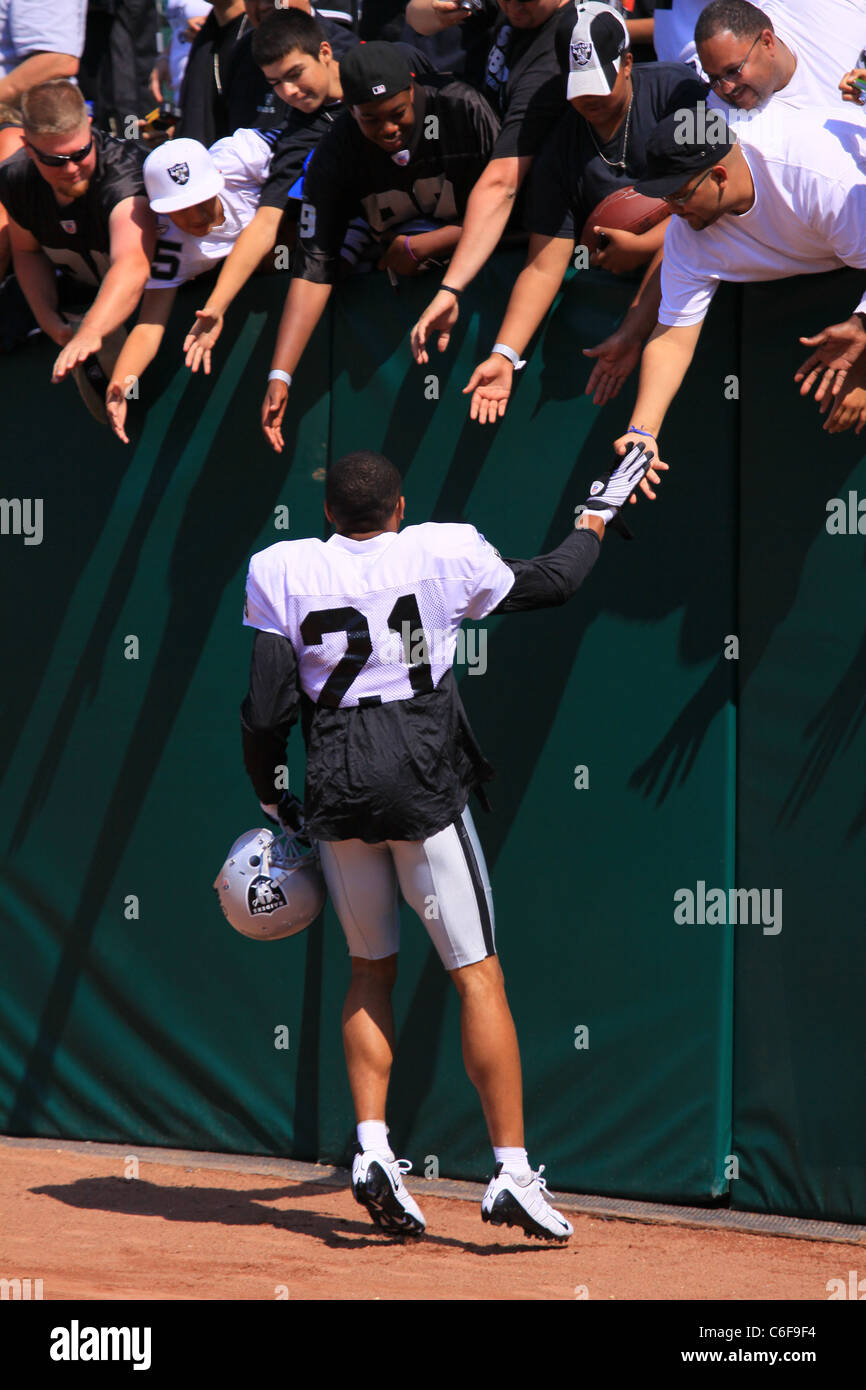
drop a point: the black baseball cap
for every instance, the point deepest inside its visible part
(686, 142)
(373, 71)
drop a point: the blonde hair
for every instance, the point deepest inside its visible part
(53, 108)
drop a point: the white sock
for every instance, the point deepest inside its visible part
(514, 1161)
(373, 1134)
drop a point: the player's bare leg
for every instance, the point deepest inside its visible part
(490, 1051)
(515, 1196)
(368, 1041)
(368, 1034)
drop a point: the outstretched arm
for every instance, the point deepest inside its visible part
(534, 291)
(550, 580)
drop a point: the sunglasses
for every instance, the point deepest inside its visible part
(729, 78)
(57, 161)
(679, 200)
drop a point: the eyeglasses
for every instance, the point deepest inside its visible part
(679, 200)
(57, 161)
(729, 78)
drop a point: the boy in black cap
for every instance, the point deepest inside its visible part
(297, 59)
(793, 203)
(407, 150)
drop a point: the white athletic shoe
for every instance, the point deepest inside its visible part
(377, 1183)
(508, 1202)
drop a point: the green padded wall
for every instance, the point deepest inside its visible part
(800, 1100)
(124, 777)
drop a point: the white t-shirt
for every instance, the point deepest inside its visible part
(40, 26)
(358, 605)
(808, 216)
(826, 35)
(243, 159)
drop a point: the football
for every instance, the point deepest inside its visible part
(626, 210)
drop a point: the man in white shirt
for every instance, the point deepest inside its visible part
(792, 204)
(816, 30)
(790, 53)
(204, 199)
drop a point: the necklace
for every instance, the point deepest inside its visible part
(615, 163)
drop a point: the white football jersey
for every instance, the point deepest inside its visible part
(243, 159)
(377, 620)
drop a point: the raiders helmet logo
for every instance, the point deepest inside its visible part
(263, 895)
(179, 173)
(581, 53)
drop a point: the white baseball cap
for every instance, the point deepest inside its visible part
(598, 41)
(180, 174)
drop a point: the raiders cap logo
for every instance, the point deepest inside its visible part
(179, 173)
(581, 53)
(378, 89)
(263, 895)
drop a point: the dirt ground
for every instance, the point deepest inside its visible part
(74, 1221)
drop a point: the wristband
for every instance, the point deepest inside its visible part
(410, 251)
(277, 375)
(633, 429)
(514, 358)
(451, 290)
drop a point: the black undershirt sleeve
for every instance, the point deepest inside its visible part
(269, 711)
(550, 580)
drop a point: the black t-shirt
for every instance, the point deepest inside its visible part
(348, 175)
(522, 74)
(570, 177)
(251, 102)
(207, 80)
(76, 234)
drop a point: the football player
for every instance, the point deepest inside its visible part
(358, 634)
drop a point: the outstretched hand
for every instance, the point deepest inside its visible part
(836, 349)
(439, 317)
(490, 385)
(627, 441)
(618, 355)
(201, 339)
(273, 410)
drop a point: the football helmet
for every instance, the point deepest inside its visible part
(271, 885)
